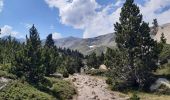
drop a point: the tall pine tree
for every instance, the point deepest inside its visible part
(50, 56)
(155, 27)
(28, 62)
(133, 39)
(163, 39)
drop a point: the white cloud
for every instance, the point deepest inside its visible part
(96, 19)
(150, 10)
(75, 13)
(8, 30)
(56, 35)
(1, 5)
(88, 15)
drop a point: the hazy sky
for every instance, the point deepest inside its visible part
(79, 18)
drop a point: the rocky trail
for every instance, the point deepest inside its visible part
(94, 88)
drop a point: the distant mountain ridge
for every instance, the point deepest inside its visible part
(100, 43)
(88, 45)
(163, 29)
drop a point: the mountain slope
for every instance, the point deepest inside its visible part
(163, 29)
(99, 44)
(89, 45)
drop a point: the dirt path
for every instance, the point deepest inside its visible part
(93, 88)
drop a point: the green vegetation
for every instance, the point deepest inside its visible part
(28, 60)
(51, 89)
(165, 54)
(31, 62)
(132, 64)
(17, 90)
(64, 90)
(94, 61)
(7, 75)
(149, 96)
(136, 58)
(164, 70)
(134, 97)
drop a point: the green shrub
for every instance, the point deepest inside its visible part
(134, 97)
(109, 81)
(65, 74)
(120, 86)
(165, 54)
(23, 91)
(5, 67)
(7, 75)
(63, 90)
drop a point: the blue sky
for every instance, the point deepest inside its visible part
(78, 18)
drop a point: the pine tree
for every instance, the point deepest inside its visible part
(50, 56)
(127, 34)
(155, 27)
(101, 59)
(133, 39)
(163, 39)
(92, 61)
(28, 61)
(49, 41)
(109, 58)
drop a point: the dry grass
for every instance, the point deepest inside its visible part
(150, 96)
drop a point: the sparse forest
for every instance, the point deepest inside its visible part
(40, 71)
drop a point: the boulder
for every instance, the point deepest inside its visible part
(3, 82)
(92, 68)
(57, 75)
(159, 82)
(103, 67)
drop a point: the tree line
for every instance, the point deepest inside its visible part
(136, 57)
(32, 61)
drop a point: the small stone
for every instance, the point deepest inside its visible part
(93, 93)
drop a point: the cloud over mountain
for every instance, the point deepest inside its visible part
(8, 30)
(88, 15)
(96, 19)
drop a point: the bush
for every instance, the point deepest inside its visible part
(63, 90)
(109, 81)
(120, 86)
(5, 67)
(23, 91)
(134, 97)
(165, 54)
(65, 74)
(7, 75)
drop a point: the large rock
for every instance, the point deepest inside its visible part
(103, 67)
(57, 75)
(3, 82)
(160, 82)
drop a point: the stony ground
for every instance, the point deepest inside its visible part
(94, 88)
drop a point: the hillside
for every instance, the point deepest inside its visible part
(163, 29)
(87, 46)
(100, 43)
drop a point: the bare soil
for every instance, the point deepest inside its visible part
(94, 88)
